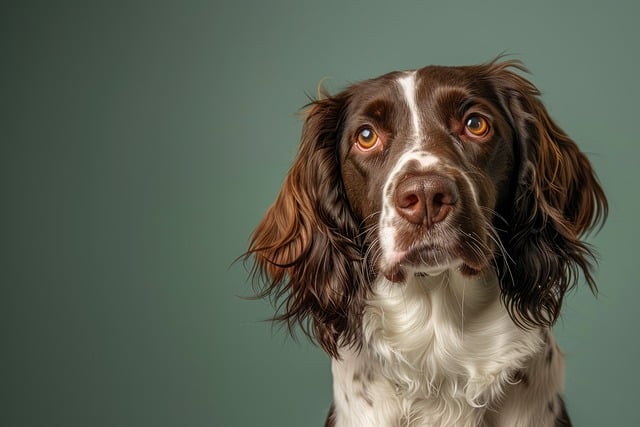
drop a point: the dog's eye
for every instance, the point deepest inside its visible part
(367, 138)
(476, 125)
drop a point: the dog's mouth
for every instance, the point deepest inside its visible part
(429, 259)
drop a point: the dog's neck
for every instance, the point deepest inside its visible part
(438, 347)
(449, 328)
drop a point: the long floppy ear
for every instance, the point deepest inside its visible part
(557, 200)
(307, 248)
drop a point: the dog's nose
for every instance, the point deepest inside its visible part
(425, 199)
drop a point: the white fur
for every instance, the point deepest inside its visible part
(408, 85)
(442, 351)
(389, 215)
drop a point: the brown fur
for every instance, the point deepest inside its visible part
(311, 247)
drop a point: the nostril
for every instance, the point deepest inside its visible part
(444, 198)
(408, 200)
(438, 199)
(439, 208)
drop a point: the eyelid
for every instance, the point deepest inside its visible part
(476, 109)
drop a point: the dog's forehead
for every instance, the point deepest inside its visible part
(422, 82)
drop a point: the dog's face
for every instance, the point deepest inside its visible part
(426, 157)
(423, 171)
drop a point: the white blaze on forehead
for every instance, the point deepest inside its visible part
(408, 85)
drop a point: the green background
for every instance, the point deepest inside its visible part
(141, 142)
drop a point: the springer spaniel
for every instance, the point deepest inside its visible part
(425, 237)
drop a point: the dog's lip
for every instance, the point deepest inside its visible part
(413, 259)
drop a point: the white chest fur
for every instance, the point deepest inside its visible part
(436, 351)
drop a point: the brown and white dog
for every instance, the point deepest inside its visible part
(425, 237)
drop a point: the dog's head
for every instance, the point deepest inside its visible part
(420, 172)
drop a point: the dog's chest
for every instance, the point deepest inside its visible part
(434, 353)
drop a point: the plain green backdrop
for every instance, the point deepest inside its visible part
(141, 142)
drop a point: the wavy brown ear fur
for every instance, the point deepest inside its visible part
(308, 249)
(557, 200)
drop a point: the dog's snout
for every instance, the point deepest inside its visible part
(425, 199)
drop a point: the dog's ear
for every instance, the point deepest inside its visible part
(308, 249)
(557, 199)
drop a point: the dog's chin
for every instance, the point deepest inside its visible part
(431, 261)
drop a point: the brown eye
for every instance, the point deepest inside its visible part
(367, 138)
(477, 126)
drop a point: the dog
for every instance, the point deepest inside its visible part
(425, 237)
